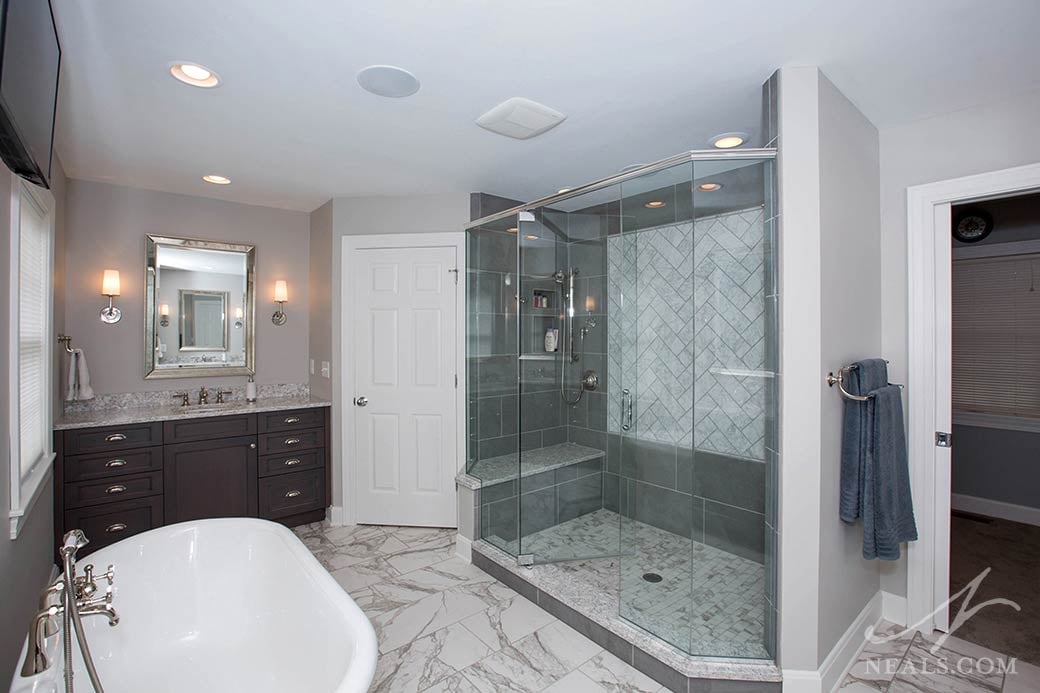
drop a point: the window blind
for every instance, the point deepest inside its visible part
(996, 335)
(34, 250)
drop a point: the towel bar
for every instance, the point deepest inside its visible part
(839, 380)
(66, 341)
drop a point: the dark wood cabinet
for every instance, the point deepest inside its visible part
(116, 481)
(210, 478)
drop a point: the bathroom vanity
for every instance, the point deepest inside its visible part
(122, 472)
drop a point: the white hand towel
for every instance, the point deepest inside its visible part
(70, 392)
(83, 381)
(83, 388)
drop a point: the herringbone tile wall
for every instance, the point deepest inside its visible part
(687, 333)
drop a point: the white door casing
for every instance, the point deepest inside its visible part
(402, 329)
(929, 272)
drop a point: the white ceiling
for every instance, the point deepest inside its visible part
(638, 80)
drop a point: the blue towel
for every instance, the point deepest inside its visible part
(864, 377)
(888, 513)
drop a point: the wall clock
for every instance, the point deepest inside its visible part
(972, 225)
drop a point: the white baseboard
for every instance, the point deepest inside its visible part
(999, 509)
(464, 548)
(841, 657)
(336, 516)
(893, 608)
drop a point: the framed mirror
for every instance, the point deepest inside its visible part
(199, 308)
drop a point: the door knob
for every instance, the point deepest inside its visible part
(361, 401)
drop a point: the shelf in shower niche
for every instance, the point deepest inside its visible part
(548, 356)
(496, 470)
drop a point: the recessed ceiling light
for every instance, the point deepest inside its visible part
(655, 204)
(709, 187)
(511, 229)
(532, 237)
(388, 80)
(729, 140)
(216, 180)
(194, 74)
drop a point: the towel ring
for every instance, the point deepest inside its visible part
(839, 380)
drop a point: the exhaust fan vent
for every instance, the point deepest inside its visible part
(520, 118)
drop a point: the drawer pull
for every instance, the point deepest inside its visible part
(118, 488)
(292, 494)
(292, 419)
(292, 441)
(115, 463)
(293, 461)
(117, 527)
(115, 437)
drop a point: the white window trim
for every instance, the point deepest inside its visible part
(25, 492)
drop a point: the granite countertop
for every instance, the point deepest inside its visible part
(505, 467)
(127, 415)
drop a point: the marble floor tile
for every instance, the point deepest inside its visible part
(611, 674)
(1025, 678)
(508, 621)
(454, 684)
(428, 615)
(422, 663)
(365, 573)
(878, 663)
(954, 667)
(420, 554)
(576, 682)
(420, 535)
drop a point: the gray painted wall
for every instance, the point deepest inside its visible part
(974, 140)
(107, 225)
(320, 280)
(999, 465)
(850, 269)
(25, 562)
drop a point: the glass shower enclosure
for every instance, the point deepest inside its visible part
(622, 350)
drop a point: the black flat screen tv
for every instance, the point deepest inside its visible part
(30, 59)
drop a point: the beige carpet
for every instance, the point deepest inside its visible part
(1012, 550)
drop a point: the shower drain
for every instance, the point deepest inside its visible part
(652, 577)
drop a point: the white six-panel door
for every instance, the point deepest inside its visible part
(404, 394)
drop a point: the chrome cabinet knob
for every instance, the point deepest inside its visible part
(252, 446)
(361, 401)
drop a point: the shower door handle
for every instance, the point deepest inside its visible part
(626, 410)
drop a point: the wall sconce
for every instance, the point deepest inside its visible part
(164, 314)
(281, 297)
(110, 288)
(238, 318)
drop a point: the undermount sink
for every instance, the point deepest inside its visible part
(195, 408)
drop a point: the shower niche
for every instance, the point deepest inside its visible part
(642, 443)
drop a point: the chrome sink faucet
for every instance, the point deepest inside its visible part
(203, 396)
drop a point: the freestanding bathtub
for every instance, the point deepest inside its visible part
(228, 605)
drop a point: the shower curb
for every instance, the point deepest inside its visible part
(725, 675)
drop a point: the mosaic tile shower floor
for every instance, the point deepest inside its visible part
(708, 602)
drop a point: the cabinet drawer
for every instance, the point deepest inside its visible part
(292, 462)
(113, 438)
(85, 467)
(294, 420)
(109, 523)
(289, 494)
(112, 490)
(291, 441)
(209, 428)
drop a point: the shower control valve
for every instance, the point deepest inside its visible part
(590, 380)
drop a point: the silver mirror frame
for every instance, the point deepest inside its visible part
(151, 309)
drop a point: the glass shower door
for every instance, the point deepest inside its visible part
(651, 265)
